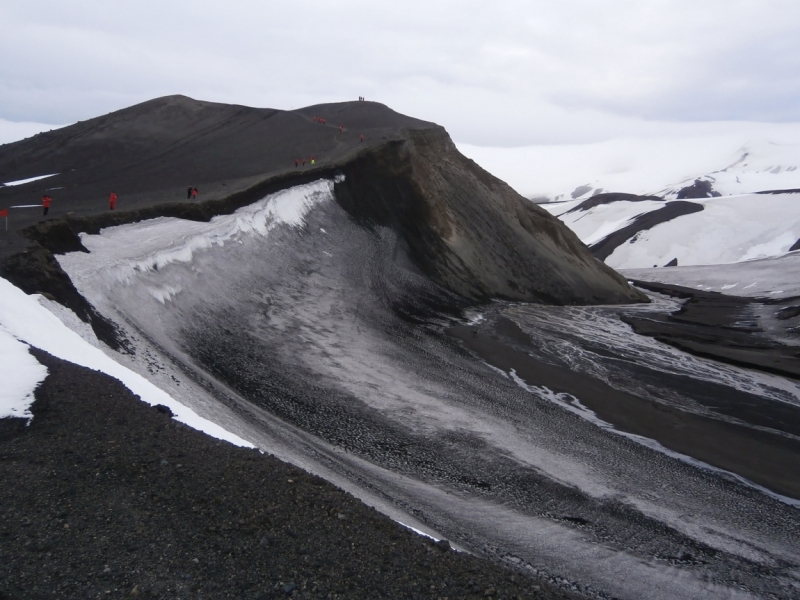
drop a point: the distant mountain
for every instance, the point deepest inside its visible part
(751, 159)
(744, 211)
(630, 234)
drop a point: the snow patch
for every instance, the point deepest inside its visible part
(153, 244)
(28, 180)
(24, 321)
(20, 373)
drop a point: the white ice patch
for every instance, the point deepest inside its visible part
(28, 180)
(20, 374)
(418, 531)
(153, 244)
(23, 319)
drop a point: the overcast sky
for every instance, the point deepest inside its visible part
(493, 73)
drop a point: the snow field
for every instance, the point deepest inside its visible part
(730, 229)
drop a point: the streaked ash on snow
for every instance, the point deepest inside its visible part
(404, 324)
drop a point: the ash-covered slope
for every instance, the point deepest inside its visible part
(310, 314)
(467, 230)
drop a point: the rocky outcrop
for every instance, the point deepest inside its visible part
(609, 197)
(699, 189)
(470, 231)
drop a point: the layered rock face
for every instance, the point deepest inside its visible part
(470, 231)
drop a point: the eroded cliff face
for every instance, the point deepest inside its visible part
(471, 232)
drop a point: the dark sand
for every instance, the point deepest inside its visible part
(733, 329)
(104, 496)
(765, 458)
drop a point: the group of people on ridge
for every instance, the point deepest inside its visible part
(47, 201)
(191, 193)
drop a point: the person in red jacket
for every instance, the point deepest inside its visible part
(296, 163)
(112, 201)
(194, 193)
(46, 200)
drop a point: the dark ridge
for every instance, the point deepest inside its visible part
(111, 494)
(609, 197)
(149, 153)
(795, 246)
(60, 236)
(469, 231)
(725, 328)
(671, 210)
(672, 263)
(580, 191)
(37, 272)
(790, 312)
(699, 189)
(792, 191)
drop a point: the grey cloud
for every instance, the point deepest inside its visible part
(502, 74)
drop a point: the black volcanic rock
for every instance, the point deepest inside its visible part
(725, 328)
(465, 228)
(672, 263)
(789, 312)
(470, 231)
(609, 197)
(699, 189)
(149, 153)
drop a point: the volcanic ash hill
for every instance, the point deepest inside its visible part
(464, 228)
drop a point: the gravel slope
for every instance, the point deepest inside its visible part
(104, 496)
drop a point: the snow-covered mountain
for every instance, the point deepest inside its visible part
(735, 159)
(757, 166)
(725, 229)
(744, 209)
